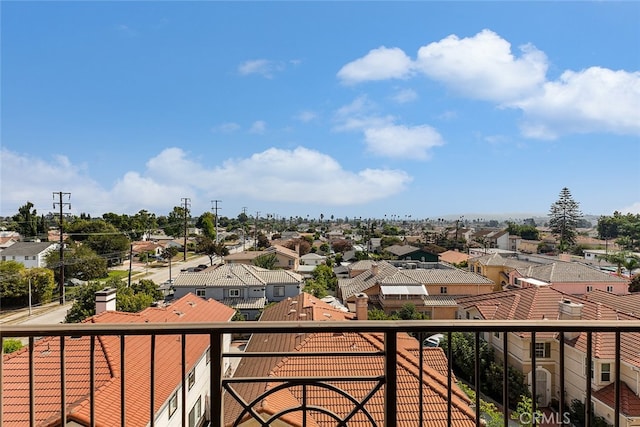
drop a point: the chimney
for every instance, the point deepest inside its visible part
(564, 257)
(570, 311)
(375, 269)
(106, 300)
(362, 306)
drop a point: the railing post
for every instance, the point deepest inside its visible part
(562, 388)
(123, 400)
(476, 375)
(616, 409)
(63, 383)
(183, 374)
(534, 386)
(391, 376)
(32, 396)
(587, 404)
(92, 380)
(216, 366)
(505, 379)
(152, 382)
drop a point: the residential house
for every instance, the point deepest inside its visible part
(309, 262)
(529, 246)
(569, 277)
(246, 288)
(429, 378)
(408, 252)
(544, 302)
(168, 398)
(453, 257)
(30, 254)
(496, 268)
(431, 290)
(286, 258)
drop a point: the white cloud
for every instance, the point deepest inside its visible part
(288, 176)
(403, 142)
(379, 64)
(359, 115)
(228, 127)
(593, 100)
(383, 136)
(483, 66)
(259, 126)
(306, 116)
(263, 67)
(306, 176)
(404, 96)
(632, 209)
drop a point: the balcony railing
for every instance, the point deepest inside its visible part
(221, 385)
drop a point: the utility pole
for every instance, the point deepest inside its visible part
(216, 210)
(244, 232)
(187, 202)
(255, 232)
(61, 205)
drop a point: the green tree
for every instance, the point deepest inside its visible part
(9, 345)
(14, 284)
(524, 412)
(315, 288)
(563, 219)
(27, 220)
(409, 312)
(268, 261)
(324, 275)
(112, 247)
(80, 262)
(206, 245)
(175, 221)
(207, 223)
(129, 299)
(377, 314)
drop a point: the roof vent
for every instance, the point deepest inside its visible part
(178, 312)
(326, 315)
(293, 310)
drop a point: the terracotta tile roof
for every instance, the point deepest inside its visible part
(629, 304)
(305, 307)
(559, 272)
(542, 302)
(107, 358)
(629, 401)
(453, 257)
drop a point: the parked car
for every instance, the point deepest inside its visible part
(433, 340)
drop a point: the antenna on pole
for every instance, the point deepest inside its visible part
(215, 208)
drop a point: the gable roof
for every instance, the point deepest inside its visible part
(542, 302)
(629, 304)
(453, 257)
(27, 248)
(568, 272)
(107, 368)
(629, 401)
(434, 376)
(401, 250)
(236, 275)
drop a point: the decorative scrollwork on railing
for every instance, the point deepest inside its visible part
(307, 385)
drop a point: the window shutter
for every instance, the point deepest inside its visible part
(547, 349)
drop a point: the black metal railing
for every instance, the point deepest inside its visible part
(220, 385)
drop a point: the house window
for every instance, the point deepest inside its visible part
(192, 378)
(278, 291)
(443, 289)
(543, 350)
(200, 293)
(290, 262)
(173, 404)
(479, 270)
(589, 288)
(468, 315)
(605, 372)
(496, 334)
(473, 268)
(609, 288)
(195, 413)
(234, 293)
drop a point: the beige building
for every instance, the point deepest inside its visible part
(544, 302)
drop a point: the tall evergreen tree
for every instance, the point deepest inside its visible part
(564, 216)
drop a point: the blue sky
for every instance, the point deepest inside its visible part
(341, 108)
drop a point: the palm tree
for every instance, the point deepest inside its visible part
(631, 263)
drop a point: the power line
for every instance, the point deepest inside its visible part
(61, 205)
(216, 218)
(187, 204)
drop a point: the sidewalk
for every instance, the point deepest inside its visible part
(16, 316)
